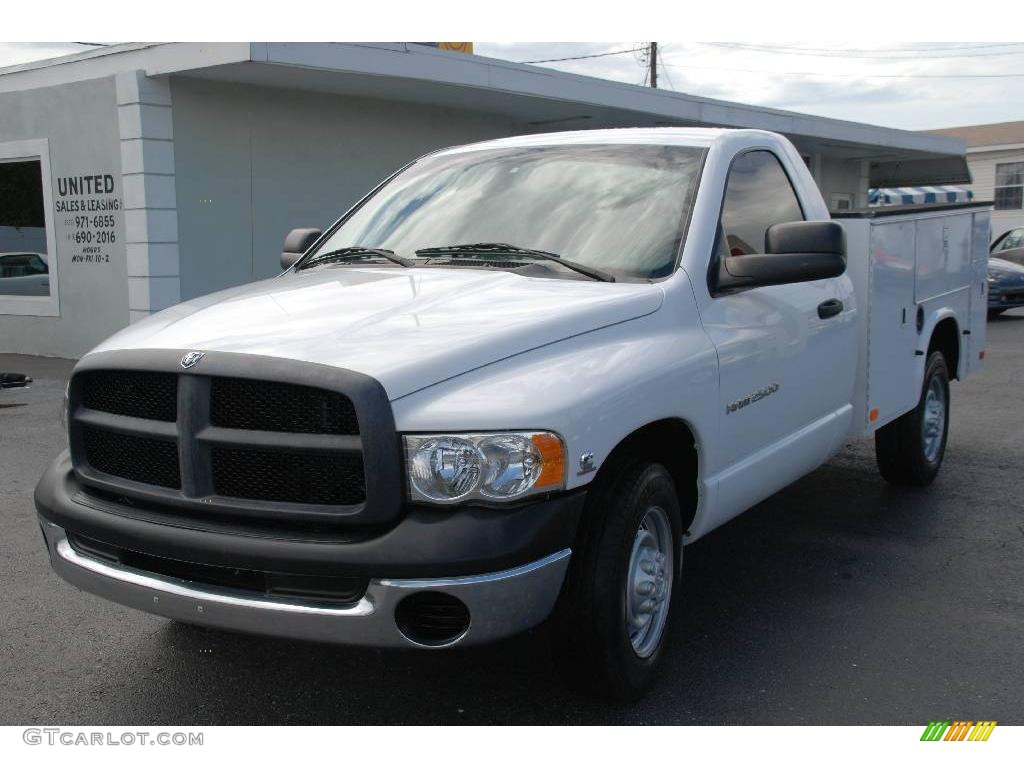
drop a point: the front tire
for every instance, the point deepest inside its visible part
(909, 450)
(611, 623)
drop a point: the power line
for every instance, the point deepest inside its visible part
(668, 77)
(588, 56)
(859, 76)
(795, 49)
(909, 55)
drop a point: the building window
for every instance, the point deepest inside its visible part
(841, 201)
(28, 262)
(1009, 186)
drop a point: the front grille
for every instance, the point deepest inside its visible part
(303, 478)
(141, 459)
(225, 449)
(140, 394)
(275, 407)
(340, 590)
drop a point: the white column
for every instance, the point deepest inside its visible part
(150, 205)
(863, 184)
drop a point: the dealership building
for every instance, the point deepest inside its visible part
(139, 175)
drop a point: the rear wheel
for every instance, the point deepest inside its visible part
(611, 624)
(909, 451)
(995, 313)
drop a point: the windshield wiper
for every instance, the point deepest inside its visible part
(355, 253)
(504, 249)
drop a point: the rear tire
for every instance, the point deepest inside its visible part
(909, 450)
(610, 628)
(992, 313)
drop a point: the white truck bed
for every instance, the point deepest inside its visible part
(908, 263)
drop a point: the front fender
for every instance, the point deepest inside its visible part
(593, 389)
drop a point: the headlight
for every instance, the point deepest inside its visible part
(497, 466)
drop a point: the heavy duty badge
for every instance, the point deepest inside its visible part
(743, 402)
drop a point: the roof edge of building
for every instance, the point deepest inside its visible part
(467, 71)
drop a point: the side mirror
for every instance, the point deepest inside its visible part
(795, 252)
(297, 243)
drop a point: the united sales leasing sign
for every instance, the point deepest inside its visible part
(89, 208)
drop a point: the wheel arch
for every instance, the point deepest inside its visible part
(671, 442)
(945, 337)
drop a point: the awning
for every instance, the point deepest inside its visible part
(918, 195)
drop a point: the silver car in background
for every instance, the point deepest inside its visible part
(24, 274)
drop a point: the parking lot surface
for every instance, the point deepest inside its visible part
(840, 600)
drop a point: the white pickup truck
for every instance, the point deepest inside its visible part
(508, 386)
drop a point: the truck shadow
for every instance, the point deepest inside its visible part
(766, 593)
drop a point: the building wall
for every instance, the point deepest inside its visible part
(252, 163)
(839, 176)
(983, 171)
(80, 122)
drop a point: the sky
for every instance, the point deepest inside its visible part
(901, 85)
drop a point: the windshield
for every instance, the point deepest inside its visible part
(619, 208)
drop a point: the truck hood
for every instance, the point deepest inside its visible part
(408, 328)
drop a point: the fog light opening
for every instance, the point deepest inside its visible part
(432, 619)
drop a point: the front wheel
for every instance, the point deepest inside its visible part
(611, 624)
(909, 450)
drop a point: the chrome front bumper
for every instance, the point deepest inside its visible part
(500, 604)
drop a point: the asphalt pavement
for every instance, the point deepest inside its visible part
(840, 600)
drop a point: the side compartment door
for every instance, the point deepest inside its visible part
(893, 387)
(979, 292)
(786, 362)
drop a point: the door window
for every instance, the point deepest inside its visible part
(1015, 239)
(758, 194)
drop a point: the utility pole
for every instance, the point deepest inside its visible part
(653, 56)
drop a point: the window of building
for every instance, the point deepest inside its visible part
(841, 201)
(1009, 192)
(28, 279)
(758, 195)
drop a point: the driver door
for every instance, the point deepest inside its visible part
(786, 359)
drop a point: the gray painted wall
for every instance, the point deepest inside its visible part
(252, 163)
(843, 177)
(80, 121)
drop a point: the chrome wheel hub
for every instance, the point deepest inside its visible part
(933, 425)
(649, 582)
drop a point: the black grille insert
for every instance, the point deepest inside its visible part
(141, 394)
(275, 407)
(308, 587)
(314, 477)
(142, 459)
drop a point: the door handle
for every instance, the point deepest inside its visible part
(829, 308)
